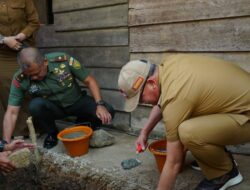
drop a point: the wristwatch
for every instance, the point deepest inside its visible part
(2, 144)
(1, 39)
(100, 103)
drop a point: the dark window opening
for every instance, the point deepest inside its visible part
(50, 12)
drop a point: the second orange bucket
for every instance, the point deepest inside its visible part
(158, 149)
(76, 139)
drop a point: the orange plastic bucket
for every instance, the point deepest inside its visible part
(76, 140)
(158, 148)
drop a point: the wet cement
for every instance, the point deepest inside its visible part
(74, 135)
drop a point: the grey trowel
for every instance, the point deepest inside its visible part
(132, 162)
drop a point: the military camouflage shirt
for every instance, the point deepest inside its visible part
(59, 85)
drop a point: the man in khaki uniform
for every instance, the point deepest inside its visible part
(205, 105)
(18, 23)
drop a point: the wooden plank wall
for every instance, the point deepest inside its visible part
(96, 33)
(219, 28)
(105, 34)
(42, 9)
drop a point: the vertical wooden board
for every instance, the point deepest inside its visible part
(106, 57)
(47, 37)
(104, 17)
(240, 58)
(161, 11)
(106, 78)
(219, 35)
(42, 9)
(59, 5)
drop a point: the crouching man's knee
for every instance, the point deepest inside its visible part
(37, 106)
(186, 133)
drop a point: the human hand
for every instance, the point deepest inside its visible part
(18, 144)
(20, 37)
(141, 142)
(5, 164)
(12, 42)
(103, 114)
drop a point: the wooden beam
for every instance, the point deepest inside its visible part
(161, 11)
(59, 5)
(47, 37)
(105, 17)
(106, 57)
(218, 35)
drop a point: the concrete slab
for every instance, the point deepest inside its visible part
(145, 176)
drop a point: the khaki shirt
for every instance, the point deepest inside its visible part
(59, 86)
(18, 16)
(195, 85)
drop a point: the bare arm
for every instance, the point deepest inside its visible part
(101, 111)
(172, 165)
(9, 122)
(154, 117)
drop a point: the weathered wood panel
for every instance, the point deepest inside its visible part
(240, 58)
(106, 78)
(122, 121)
(160, 11)
(107, 57)
(47, 37)
(42, 7)
(59, 5)
(219, 35)
(139, 117)
(113, 97)
(105, 17)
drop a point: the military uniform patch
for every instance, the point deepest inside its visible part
(56, 70)
(16, 83)
(60, 58)
(62, 66)
(76, 64)
(71, 61)
(20, 77)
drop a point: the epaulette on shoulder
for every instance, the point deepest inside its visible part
(20, 77)
(60, 58)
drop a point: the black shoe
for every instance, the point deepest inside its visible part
(221, 183)
(50, 141)
(195, 165)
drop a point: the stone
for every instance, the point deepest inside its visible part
(20, 158)
(101, 138)
(130, 163)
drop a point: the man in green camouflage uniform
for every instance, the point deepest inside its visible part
(51, 82)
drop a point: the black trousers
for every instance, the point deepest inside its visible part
(44, 113)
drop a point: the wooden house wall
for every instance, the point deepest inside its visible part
(105, 34)
(219, 28)
(96, 33)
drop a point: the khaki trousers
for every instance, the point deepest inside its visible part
(8, 66)
(206, 137)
